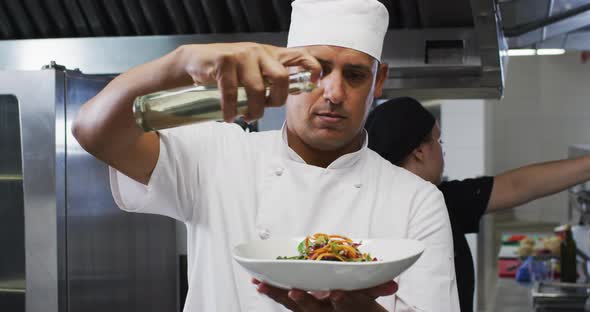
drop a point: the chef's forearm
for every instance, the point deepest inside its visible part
(528, 183)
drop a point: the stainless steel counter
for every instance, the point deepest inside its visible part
(545, 297)
(512, 296)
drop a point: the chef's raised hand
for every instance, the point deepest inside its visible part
(250, 65)
(336, 301)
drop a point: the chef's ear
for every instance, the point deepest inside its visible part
(419, 154)
(382, 70)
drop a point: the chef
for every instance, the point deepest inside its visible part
(315, 174)
(405, 133)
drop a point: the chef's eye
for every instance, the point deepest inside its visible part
(355, 77)
(326, 69)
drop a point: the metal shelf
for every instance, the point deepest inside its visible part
(11, 177)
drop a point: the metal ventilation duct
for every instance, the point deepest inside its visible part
(435, 49)
(35, 19)
(546, 23)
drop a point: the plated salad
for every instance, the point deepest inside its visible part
(326, 247)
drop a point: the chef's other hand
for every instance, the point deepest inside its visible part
(249, 65)
(341, 301)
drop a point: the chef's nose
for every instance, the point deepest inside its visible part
(333, 85)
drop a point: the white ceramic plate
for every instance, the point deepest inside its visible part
(259, 258)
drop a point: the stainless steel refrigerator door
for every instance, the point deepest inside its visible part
(117, 261)
(81, 252)
(12, 211)
(37, 95)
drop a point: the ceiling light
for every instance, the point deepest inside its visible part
(521, 52)
(550, 51)
(530, 52)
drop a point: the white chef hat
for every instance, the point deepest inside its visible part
(354, 24)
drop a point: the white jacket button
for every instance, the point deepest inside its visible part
(263, 233)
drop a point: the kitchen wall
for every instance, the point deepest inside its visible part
(464, 138)
(546, 108)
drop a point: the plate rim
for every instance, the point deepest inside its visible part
(421, 247)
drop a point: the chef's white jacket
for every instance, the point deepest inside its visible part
(229, 186)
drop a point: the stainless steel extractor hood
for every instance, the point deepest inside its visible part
(435, 49)
(547, 24)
